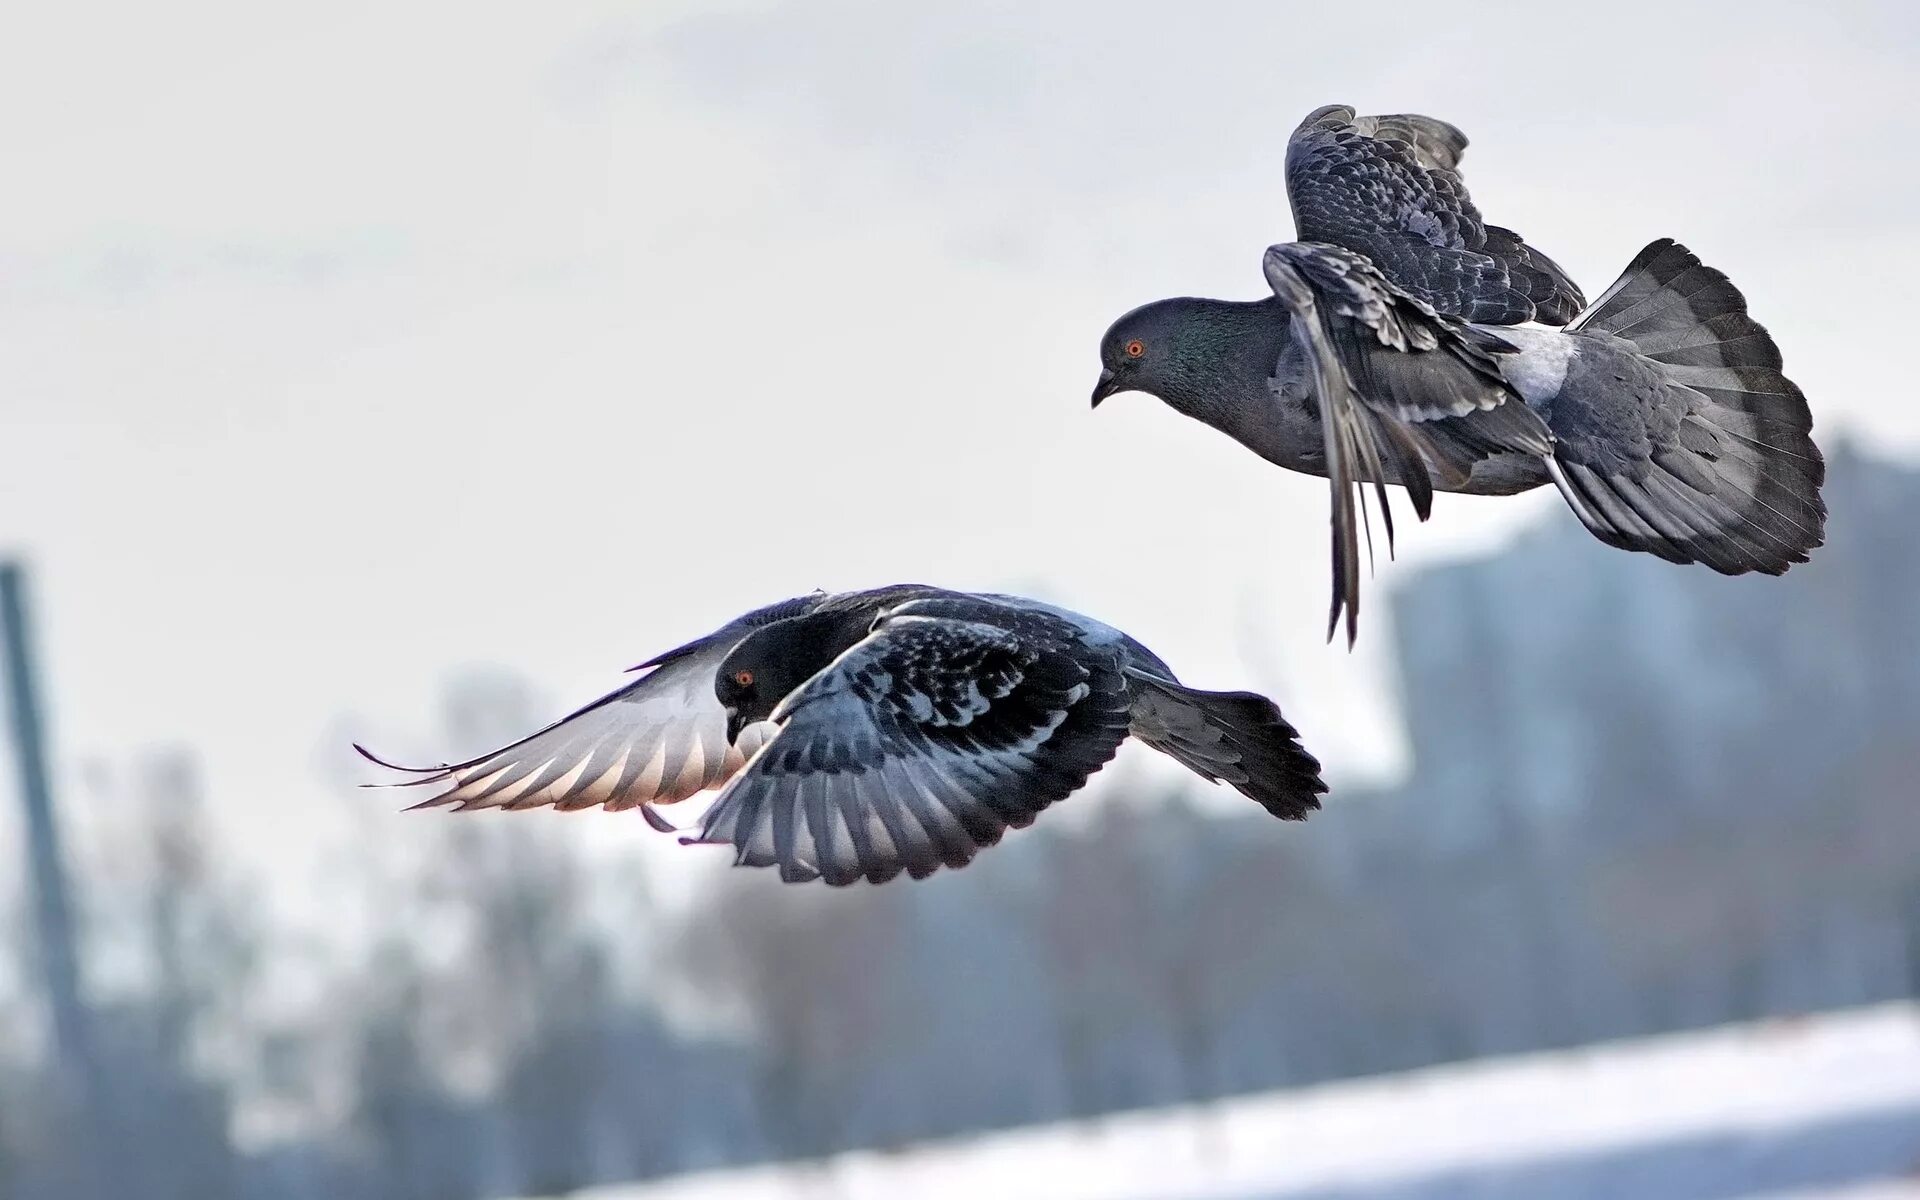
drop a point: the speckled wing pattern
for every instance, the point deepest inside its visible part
(953, 720)
(660, 739)
(1401, 390)
(1388, 187)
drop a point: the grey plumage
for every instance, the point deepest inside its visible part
(1388, 187)
(1676, 432)
(1397, 385)
(897, 729)
(1396, 348)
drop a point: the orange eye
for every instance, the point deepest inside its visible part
(1135, 348)
(743, 678)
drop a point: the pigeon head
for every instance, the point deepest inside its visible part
(775, 659)
(1189, 352)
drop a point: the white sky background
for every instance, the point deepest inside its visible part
(344, 344)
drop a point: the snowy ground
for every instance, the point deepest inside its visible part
(1884, 1189)
(1826, 1106)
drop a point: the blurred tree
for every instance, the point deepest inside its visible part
(175, 1039)
(533, 995)
(1091, 908)
(817, 977)
(416, 1145)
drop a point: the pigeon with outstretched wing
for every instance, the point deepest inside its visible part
(859, 735)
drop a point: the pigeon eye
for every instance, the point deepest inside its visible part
(743, 678)
(1135, 348)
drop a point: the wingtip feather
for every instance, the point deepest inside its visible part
(377, 761)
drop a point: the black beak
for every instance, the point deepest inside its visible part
(1108, 385)
(735, 723)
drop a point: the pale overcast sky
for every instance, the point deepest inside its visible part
(344, 344)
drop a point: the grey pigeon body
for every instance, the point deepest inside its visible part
(1401, 344)
(859, 735)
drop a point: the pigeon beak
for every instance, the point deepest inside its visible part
(735, 723)
(1107, 386)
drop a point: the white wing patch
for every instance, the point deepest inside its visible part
(659, 740)
(1538, 371)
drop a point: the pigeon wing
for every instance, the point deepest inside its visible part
(660, 739)
(923, 743)
(1388, 187)
(1402, 391)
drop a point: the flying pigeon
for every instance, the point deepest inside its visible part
(1405, 341)
(857, 735)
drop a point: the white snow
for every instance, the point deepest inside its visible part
(1755, 1081)
(1880, 1189)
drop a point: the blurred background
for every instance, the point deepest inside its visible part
(401, 373)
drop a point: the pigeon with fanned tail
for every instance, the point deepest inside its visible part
(1402, 344)
(859, 735)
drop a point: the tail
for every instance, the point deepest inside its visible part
(1232, 737)
(1710, 461)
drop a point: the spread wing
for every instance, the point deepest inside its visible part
(1388, 187)
(660, 739)
(949, 723)
(1402, 391)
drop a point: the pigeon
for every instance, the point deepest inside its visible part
(1406, 341)
(858, 735)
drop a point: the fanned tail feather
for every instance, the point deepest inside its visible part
(1737, 485)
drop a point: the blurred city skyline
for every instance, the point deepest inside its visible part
(1683, 801)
